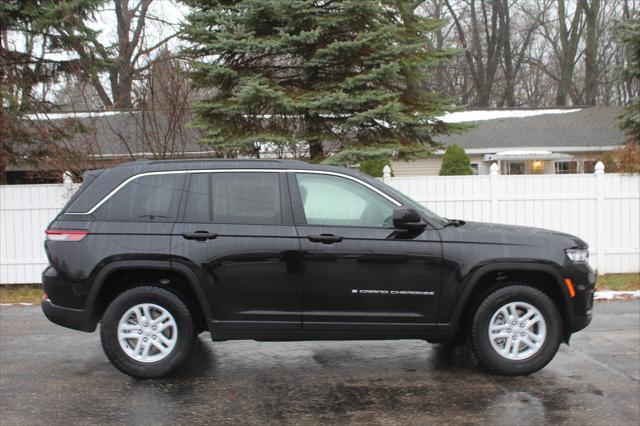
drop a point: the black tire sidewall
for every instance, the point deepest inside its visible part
(480, 339)
(160, 297)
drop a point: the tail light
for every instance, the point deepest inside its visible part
(65, 234)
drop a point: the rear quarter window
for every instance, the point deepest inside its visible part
(146, 198)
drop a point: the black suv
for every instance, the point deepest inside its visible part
(159, 251)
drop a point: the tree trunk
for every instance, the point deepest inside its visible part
(316, 151)
(505, 35)
(569, 38)
(564, 84)
(591, 50)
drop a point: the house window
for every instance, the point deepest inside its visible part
(475, 168)
(537, 166)
(516, 168)
(589, 166)
(566, 167)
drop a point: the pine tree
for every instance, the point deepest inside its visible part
(629, 34)
(455, 162)
(350, 74)
(40, 58)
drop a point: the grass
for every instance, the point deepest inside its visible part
(31, 293)
(21, 293)
(618, 282)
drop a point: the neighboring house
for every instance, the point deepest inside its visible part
(524, 141)
(109, 138)
(542, 141)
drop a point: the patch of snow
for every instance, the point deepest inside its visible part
(523, 153)
(613, 295)
(493, 114)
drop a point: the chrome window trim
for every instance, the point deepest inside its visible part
(174, 172)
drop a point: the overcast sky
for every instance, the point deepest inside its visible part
(164, 10)
(105, 22)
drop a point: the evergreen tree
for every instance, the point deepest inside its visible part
(455, 162)
(630, 35)
(350, 74)
(34, 53)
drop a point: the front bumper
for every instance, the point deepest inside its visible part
(77, 319)
(584, 279)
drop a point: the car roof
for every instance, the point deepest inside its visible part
(106, 180)
(142, 166)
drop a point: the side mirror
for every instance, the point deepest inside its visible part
(407, 218)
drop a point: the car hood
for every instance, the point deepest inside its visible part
(491, 233)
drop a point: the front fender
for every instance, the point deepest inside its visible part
(472, 280)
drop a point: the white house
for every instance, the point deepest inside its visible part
(530, 141)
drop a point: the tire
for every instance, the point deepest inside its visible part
(147, 332)
(513, 349)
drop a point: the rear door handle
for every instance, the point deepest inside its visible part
(325, 238)
(199, 235)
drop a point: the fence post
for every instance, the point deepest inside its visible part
(386, 174)
(601, 223)
(494, 173)
(67, 180)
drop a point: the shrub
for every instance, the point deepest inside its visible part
(374, 166)
(455, 162)
(623, 160)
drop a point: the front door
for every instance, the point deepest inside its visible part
(236, 233)
(358, 272)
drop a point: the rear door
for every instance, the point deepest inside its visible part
(358, 272)
(236, 233)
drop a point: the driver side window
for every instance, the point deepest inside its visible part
(337, 201)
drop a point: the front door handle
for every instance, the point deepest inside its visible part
(199, 235)
(325, 238)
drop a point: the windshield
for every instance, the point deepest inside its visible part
(434, 218)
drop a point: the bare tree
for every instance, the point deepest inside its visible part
(161, 112)
(591, 12)
(516, 41)
(126, 59)
(482, 52)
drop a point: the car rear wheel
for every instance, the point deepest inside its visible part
(516, 330)
(147, 332)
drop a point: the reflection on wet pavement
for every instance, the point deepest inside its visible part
(50, 375)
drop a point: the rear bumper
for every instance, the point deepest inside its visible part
(77, 319)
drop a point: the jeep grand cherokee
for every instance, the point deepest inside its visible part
(159, 251)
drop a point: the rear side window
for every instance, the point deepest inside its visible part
(249, 198)
(147, 198)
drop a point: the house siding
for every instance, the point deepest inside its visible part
(431, 166)
(424, 167)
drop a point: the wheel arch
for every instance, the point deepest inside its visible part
(180, 280)
(489, 278)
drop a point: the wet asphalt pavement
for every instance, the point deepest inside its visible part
(51, 375)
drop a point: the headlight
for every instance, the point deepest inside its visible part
(578, 255)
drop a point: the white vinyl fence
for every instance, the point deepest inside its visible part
(25, 212)
(602, 209)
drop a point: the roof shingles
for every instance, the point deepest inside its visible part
(590, 127)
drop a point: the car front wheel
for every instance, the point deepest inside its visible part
(516, 330)
(147, 332)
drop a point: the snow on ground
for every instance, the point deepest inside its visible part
(613, 295)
